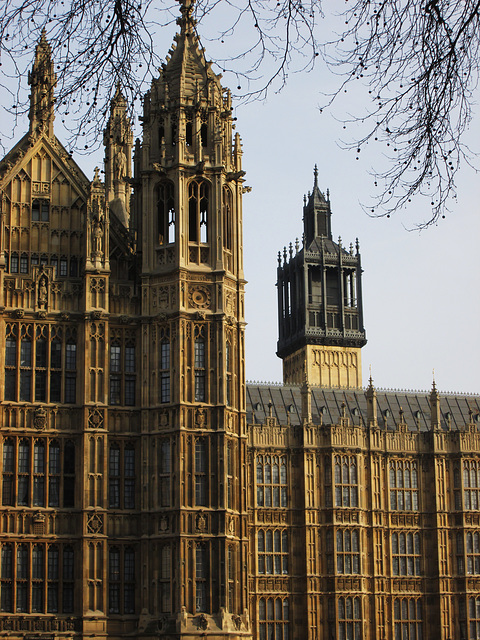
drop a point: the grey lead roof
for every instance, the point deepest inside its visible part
(455, 409)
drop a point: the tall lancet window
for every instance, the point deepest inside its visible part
(198, 205)
(227, 218)
(166, 213)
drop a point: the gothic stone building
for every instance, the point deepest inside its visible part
(146, 491)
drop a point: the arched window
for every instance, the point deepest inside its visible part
(198, 211)
(166, 213)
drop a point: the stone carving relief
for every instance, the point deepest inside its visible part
(95, 418)
(200, 418)
(40, 418)
(95, 523)
(199, 297)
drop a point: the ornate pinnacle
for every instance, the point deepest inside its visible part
(186, 9)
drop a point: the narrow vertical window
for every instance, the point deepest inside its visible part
(129, 477)
(114, 580)
(129, 581)
(130, 379)
(52, 579)
(22, 579)
(231, 578)
(54, 474)
(164, 473)
(198, 211)
(165, 371)
(204, 134)
(11, 363)
(115, 379)
(229, 475)
(6, 599)
(201, 576)
(8, 473)
(165, 576)
(166, 213)
(25, 364)
(40, 365)
(68, 579)
(228, 377)
(227, 218)
(69, 475)
(23, 479)
(39, 474)
(114, 476)
(199, 363)
(201, 470)
(70, 372)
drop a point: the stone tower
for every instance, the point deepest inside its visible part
(320, 304)
(188, 210)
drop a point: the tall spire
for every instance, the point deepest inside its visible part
(316, 213)
(42, 80)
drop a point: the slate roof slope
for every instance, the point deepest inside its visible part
(455, 409)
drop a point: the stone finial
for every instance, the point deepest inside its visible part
(434, 407)
(371, 395)
(42, 80)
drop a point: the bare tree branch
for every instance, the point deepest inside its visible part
(416, 60)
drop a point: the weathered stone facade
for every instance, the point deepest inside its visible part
(146, 490)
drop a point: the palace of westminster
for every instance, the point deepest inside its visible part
(146, 490)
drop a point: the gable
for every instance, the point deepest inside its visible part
(44, 198)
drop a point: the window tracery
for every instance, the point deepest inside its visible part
(346, 481)
(348, 551)
(271, 475)
(272, 547)
(406, 554)
(273, 616)
(121, 579)
(403, 485)
(408, 624)
(38, 472)
(40, 363)
(349, 618)
(37, 578)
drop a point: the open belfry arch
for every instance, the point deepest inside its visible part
(146, 491)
